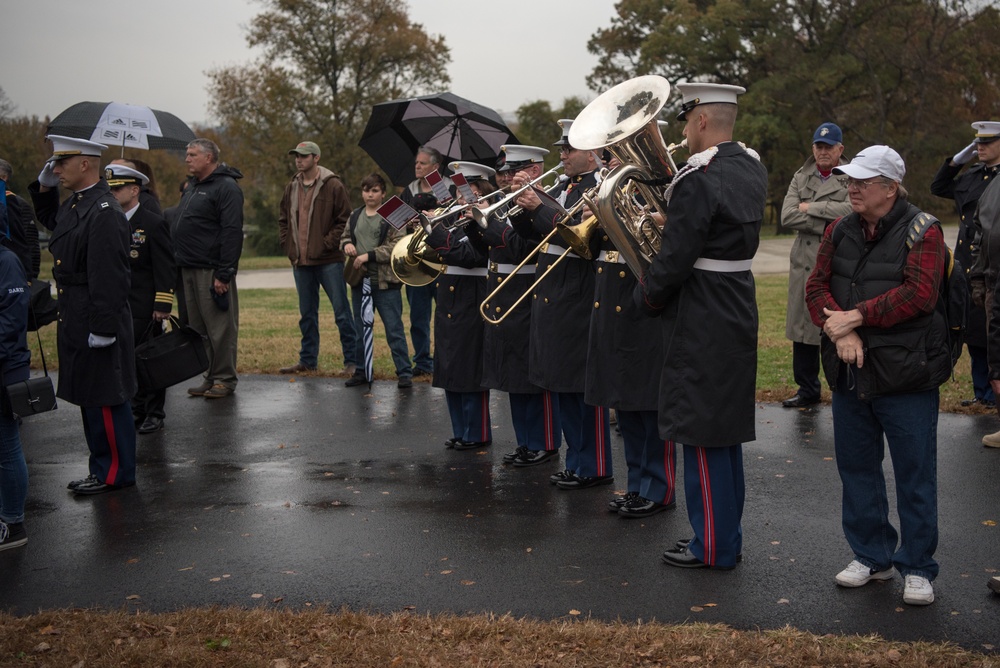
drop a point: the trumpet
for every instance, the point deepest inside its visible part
(482, 215)
(577, 238)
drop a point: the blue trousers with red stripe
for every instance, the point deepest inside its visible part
(534, 424)
(110, 434)
(588, 435)
(714, 490)
(470, 415)
(651, 461)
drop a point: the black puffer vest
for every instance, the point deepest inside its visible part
(910, 356)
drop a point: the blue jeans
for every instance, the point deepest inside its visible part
(421, 300)
(13, 472)
(389, 306)
(908, 422)
(980, 373)
(308, 280)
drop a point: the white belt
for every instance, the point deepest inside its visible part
(499, 268)
(552, 249)
(722, 266)
(462, 271)
(611, 257)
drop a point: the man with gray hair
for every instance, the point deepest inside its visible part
(208, 240)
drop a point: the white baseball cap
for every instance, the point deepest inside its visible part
(878, 160)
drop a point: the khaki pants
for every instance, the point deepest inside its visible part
(221, 327)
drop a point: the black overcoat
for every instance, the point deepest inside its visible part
(458, 326)
(707, 387)
(966, 189)
(505, 346)
(90, 246)
(561, 303)
(151, 260)
(625, 351)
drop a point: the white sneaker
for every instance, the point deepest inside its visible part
(857, 574)
(992, 440)
(918, 590)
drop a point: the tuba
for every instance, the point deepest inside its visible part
(623, 120)
(414, 262)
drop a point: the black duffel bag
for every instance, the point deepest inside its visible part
(170, 358)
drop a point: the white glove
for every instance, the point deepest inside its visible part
(97, 341)
(965, 155)
(46, 177)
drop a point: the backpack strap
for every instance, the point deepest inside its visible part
(918, 228)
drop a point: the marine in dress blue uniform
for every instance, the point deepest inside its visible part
(151, 296)
(458, 326)
(560, 324)
(701, 287)
(90, 246)
(966, 188)
(505, 345)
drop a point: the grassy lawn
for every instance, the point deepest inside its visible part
(269, 340)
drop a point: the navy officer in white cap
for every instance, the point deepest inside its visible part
(505, 345)
(90, 246)
(701, 286)
(966, 187)
(151, 259)
(458, 326)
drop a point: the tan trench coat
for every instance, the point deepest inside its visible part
(827, 202)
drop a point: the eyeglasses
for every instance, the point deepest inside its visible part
(862, 185)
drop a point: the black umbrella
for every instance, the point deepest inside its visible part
(458, 128)
(117, 124)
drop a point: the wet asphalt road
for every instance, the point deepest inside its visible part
(306, 492)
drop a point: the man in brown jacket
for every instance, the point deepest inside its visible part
(314, 210)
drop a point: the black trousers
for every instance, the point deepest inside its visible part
(805, 369)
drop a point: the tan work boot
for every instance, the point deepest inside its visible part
(992, 440)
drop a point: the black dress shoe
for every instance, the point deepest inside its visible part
(509, 457)
(798, 401)
(534, 457)
(472, 445)
(684, 542)
(683, 559)
(583, 482)
(450, 443)
(640, 507)
(85, 481)
(151, 424)
(616, 502)
(97, 487)
(355, 380)
(559, 476)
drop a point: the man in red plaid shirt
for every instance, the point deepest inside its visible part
(885, 352)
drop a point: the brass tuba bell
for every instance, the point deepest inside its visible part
(623, 120)
(414, 262)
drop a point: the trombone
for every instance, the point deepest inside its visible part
(577, 238)
(482, 215)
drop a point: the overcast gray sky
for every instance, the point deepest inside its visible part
(163, 49)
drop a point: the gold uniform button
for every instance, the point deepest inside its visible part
(546, 300)
(618, 309)
(621, 274)
(600, 270)
(597, 304)
(498, 309)
(451, 288)
(605, 237)
(499, 280)
(60, 291)
(449, 316)
(58, 262)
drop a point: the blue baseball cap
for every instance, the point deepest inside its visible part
(828, 133)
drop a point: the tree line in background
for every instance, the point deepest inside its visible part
(909, 73)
